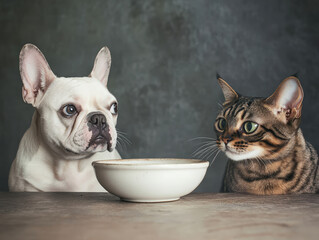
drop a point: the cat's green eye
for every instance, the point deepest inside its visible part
(221, 124)
(250, 127)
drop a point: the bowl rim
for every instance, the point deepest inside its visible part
(116, 163)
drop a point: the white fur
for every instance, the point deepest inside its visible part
(239, 156)
(54, 153)
(36, 168)
(242, 156)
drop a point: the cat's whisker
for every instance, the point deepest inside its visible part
(209, 153)
(206, 155)
(211, 141)
(198, 149)
(212, 152)
(215, 157)
(203, 146)
(257, 160)
(202, 152)
(204, 142)
(261, 161)
(199, 138)
(250, 162)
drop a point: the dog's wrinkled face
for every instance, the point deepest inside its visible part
(76, 115)
(81, 117)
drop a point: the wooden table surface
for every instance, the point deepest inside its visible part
(196, 216)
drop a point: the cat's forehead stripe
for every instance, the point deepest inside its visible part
(244, 114)
(239, 106)
(238, 111)
(227, 109)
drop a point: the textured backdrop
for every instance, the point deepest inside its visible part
(165, 55)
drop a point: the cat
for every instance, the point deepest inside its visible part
(265, 146)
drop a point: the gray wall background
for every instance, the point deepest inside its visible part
(165, 55)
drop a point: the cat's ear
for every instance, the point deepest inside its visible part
(286, 101)
(229, 93)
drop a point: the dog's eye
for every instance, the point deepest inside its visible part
(113, 108)
(69, 110)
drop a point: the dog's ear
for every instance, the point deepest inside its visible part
(35, 73)
(286, 101)
(102, 64)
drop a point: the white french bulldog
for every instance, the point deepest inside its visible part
(73, 125)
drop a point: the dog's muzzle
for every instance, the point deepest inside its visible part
(100, 130)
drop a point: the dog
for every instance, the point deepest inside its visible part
(73, 125)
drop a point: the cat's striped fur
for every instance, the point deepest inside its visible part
(274, 158)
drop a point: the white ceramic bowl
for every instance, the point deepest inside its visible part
(150, 180)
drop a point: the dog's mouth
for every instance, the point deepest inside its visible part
(101, 139)
(98, 142)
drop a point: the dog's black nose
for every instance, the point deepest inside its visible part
(98, 120)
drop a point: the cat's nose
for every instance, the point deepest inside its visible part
(227, 139)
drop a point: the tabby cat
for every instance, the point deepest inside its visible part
(261, 137)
